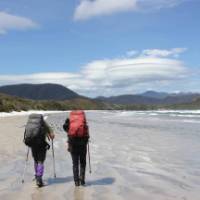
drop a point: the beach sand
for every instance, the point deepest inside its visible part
(140, 157)
(12, 161)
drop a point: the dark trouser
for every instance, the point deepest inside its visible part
(39, 155)
(78, 153)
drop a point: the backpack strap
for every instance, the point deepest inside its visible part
(24, 135)
(66, 125)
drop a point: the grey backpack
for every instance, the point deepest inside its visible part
(34, 131)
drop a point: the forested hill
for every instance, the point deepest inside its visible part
(40, 91)
(10, 103)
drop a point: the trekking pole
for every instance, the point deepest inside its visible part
(26, 161)
(54, 168)
(90, 169)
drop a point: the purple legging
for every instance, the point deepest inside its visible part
(39, 169)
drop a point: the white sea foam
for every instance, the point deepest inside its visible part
(172, 113)
(24, 113)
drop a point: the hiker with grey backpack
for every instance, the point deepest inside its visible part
(36, 132)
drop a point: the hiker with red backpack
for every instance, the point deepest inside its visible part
(78, 135)
(36, 132)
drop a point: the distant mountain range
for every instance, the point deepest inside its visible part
(54, 96)
(153, 94)
(152, 98)
(40, 91)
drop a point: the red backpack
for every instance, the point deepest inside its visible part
(77, 124)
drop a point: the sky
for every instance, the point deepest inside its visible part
(101, 47)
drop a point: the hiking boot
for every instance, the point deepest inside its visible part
(82, 182)
(82, 175)
(34, 178)
(39, 181)
(77, 183)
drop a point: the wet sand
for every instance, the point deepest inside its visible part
(12, 161)
(133, 157)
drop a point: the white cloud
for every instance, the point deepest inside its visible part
(175, 52)
(87, 8)
(157, 4)
(67, 79)
(90, 8)
(131, 53)
(121, 74)
(13, 22)
(73, 81)
(116, 76)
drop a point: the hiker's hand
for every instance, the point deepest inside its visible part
(52, 136)
(69, 147)
(47, 146)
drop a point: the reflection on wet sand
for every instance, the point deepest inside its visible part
(102, 181)
(59, 180)
(79, 193)
(39, 194)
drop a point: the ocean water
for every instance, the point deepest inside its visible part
(146, 155)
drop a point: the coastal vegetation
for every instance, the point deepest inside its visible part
(12, 103)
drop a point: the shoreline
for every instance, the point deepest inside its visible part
(161, 111)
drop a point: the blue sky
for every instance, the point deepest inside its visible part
(101, 47)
